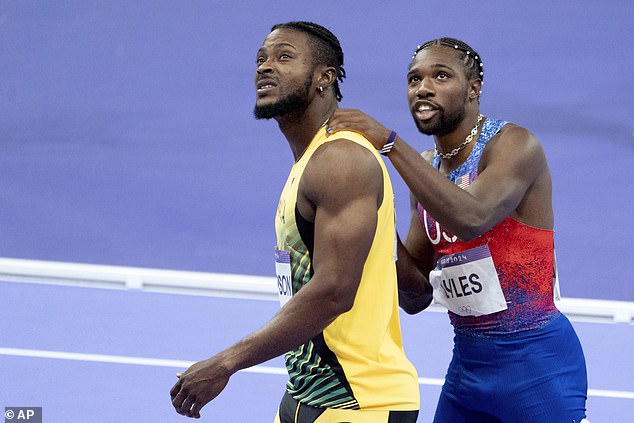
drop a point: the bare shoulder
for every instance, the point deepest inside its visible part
(514, 141)
(515, 134)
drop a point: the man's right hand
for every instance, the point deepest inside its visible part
(198, 385)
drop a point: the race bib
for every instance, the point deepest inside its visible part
(467, 283)
(283, 271)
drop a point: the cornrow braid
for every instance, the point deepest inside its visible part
(327, 49)
(470, 58)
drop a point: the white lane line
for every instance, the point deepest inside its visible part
(610, 394)
(181, 364)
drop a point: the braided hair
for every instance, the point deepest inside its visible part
(326, 48)
(470, 58)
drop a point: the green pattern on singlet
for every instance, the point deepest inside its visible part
(301, 269)
(314, 382)
(311, 380)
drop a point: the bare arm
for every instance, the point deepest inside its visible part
(415, 261)
(513, 163)
(509, 167)
(339, 190)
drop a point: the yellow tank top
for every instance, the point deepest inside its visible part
(358, 361)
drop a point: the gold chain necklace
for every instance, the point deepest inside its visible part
(467, 140)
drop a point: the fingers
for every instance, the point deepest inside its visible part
(185, 403)
(342, 119)
(351, 119)
(178, 399)
(175, 390)
(185, 408)
(197, 386)
(195, 411)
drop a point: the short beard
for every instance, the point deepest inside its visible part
(297, 101)
(446, 124)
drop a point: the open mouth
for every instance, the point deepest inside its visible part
(425, 110)
(265, 85)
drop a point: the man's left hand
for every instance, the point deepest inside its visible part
(358, 121)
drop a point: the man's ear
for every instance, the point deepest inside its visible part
(327, 77)
(475, 89)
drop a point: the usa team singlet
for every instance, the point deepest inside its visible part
(516, 357)
(358, 361)
(522, 257)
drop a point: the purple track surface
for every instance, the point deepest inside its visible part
(190, 328)
(127, 138)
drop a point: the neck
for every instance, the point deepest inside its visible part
(447, 142)
(300, 128)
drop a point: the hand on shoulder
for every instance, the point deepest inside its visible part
(358, 121)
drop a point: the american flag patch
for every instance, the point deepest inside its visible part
(463, 181)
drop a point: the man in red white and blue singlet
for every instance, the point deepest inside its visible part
(481, 244)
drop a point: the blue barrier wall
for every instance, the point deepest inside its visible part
(127, 136)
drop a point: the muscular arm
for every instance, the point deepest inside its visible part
(340, 191)
(415, 261)
(510, 165)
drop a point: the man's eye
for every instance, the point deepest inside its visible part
(443, 75)
(259, 60)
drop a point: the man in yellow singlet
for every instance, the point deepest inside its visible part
(338, 325)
